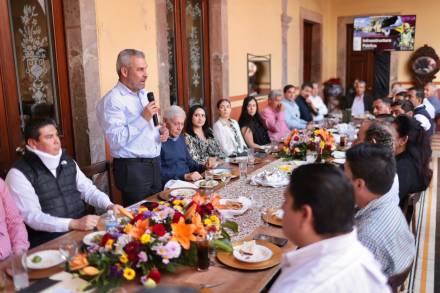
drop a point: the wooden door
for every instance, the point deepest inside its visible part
(188, 53)
(33, 73)
(360, 64)
(307, 49)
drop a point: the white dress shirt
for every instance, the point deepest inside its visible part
(338, 264)
(394, 191)
(429, 107)
(320, 106)
(358, 107)
(29, 205)
(128, 134)
(227, 138)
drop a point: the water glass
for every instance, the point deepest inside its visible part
(19, 270)
(243, 170)
(225, 178)
(251, 156)
(68, 249)
(208, 175)
(258, 201)
(274, 145)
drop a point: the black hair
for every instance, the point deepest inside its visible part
(385, 100)
(375, 164)
(288, 87)
(329, 194)
(189, 125)
(379, 132)
(306, 84)
(221, 101)
(32, 128)
(406, 105)
(247, 120)
(418, 145)
(420, 93)
(402, 93)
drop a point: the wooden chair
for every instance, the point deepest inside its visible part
(102, 167)
(409, 210)
(396, 282)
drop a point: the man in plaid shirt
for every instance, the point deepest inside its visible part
(382, 228)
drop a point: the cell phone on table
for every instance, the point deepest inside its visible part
(278, 241)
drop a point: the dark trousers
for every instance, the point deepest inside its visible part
(137, 178)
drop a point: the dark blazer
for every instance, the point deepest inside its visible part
(304, 110)
(368, 102)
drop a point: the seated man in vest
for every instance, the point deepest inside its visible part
(421, 113)
(382, 227)
(49, 188)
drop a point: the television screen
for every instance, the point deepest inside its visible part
(391, 33)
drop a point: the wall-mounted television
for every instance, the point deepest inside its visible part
(390, 33)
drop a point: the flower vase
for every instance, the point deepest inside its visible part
(319, 156)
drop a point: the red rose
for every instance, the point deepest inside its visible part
(132, 250)
(296, 138)
(106, 238)
(159, 229)
(177, 216)
(137, 218)
(329, 147)
(154, 274)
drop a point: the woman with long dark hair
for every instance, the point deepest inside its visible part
(413, 154)
(199, 137)
(252, 126)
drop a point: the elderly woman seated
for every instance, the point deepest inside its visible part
(176, 161)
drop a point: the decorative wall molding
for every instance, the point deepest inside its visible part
(285, 24)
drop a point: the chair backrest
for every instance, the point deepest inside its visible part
(103, 167)
(397, 280)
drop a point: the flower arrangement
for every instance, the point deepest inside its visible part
(299, 141)
(159, 236)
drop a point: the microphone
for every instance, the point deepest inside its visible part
(150, 97)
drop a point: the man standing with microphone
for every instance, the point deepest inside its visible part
(128, 116)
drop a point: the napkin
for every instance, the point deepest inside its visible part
(179, 184)
(273, 178)
(338, 155)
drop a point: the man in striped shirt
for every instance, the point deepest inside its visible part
(382, 228)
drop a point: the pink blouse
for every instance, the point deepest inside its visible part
(275, 123)
(13, 234)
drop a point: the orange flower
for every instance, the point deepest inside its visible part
(191, 210)
(139, 228)
(183, 233)
(200, 228)
(215, 200)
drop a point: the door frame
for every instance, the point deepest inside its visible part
(9, 112)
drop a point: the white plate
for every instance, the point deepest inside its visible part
(261, 253)
(246, 202)
(185, 192)
(212, 183)
(218, 172)
(49, 258)
(338, 155)
(88, 239)
(339, 161)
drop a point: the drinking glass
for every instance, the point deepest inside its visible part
(68, 249)
(202, 254)
(258, 201)
(19, 270)
(225, 178)
(274, 145)
(251, 156)
(243, 170)
(208, 175)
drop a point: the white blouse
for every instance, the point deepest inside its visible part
(230, 138)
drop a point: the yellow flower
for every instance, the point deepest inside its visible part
(161, 202)
(123, 258)
(177, 202)
(128, 228)
(109, 244)
(142, 209)
(179, 208)
(215, 220)
(207, 222)
(129, 274)
(146, 238)
(150, 283)
(321, 144)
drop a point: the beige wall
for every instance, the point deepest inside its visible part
(427, 24)
(121, 25)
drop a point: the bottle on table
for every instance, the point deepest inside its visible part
(111, 222)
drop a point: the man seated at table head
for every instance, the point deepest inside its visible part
(50, 189)
(382, 228)
(292, 115)
(402, 107)
(382, 109)
(319, 219)
(360, 102)
(176, 161)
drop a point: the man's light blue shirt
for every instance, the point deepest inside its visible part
(436, 103)
(292, 115)
(128, 134)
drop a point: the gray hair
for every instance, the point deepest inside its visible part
(174, 111)
(274, 94)
(432, 85)
(362, 82)
(124, 58)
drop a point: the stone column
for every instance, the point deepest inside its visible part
(285, 21)
(218, 43)
(82, 56)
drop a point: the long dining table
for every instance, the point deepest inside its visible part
(219, 277)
